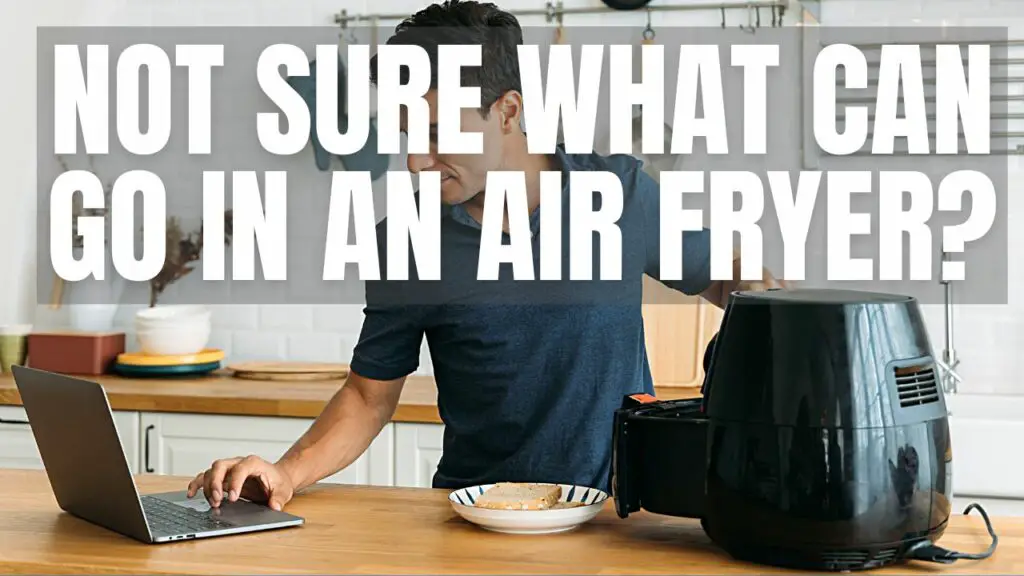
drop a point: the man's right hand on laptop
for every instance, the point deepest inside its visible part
(251, 478)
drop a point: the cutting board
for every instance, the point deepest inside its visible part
(288, 371)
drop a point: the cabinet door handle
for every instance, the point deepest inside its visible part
(12, 421)
(148, 430)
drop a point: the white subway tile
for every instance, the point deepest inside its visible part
(286, 317)
(221, 339)
(258, 346)
(348, 344)
(340, 318)
(315, 347)
(241, 317)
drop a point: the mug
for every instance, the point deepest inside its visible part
(13, 346)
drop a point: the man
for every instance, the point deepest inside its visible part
(528, 377)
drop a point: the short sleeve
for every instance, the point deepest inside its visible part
(696, 243)
(393, 326)
(390, 339)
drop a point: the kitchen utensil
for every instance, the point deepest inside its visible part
(626, 4)
(822, 440)
(56, 292)
(13, 346)
(68, 352)
(137, 359)
(153, 371)
(530, 521)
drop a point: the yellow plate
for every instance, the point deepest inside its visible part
(138, 359)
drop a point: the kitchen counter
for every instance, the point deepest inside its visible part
(378, 530)
(227, 395)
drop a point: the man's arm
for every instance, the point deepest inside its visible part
(343, 431)
(696, 253)
(348, 424)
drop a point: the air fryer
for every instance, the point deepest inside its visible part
(821, 440)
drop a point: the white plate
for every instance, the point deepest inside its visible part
(530, 521)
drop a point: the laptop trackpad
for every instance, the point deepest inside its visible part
(239, 512)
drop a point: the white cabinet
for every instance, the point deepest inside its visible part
(417, 451)
(186, 444)
(18, 446)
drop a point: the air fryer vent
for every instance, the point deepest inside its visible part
(843, 560)
(916, 385)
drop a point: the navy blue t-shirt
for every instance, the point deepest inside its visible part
(529, 373)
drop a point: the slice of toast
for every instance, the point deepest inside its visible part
(520, 496)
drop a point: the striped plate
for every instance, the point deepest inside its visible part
(530, 521)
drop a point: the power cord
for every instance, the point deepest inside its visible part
(928, 551)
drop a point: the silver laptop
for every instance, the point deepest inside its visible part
(81, 451)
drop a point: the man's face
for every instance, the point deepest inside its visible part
(463, 176)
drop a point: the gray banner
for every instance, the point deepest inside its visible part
(791, 150)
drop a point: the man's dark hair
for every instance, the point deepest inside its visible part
(466, 22)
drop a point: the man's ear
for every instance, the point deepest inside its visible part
(510, 111)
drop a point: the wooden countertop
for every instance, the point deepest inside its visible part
(377, 530)
(225, 394)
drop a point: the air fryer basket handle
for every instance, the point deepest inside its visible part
(624, 489)
(708, 355)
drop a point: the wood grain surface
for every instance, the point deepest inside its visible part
(289, 367)
(223, 393)
(377, 530)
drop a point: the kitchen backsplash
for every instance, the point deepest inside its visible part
(313, 333)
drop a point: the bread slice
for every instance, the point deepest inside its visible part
(520, 496)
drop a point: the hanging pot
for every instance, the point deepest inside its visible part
(626, 4)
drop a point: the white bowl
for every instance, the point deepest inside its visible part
(190, 325)
(530, 521)
(163, 313)
(172, 316)
(173, 341)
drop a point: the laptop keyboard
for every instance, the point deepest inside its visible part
(169, 518)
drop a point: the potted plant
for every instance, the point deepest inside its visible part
(182, 250)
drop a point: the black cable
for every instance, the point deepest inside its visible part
(991, 532)
(929, 551)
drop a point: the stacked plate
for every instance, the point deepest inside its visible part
(172, 341)
(153, 365)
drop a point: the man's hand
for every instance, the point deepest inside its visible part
(719, 291)
(251, 478)
(355, 416)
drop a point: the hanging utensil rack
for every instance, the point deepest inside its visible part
(554, 11)
(1005, 86)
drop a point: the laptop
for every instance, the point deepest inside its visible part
(90, 477)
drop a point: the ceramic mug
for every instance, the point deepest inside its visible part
(13, 346)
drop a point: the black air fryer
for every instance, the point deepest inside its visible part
(821, 441)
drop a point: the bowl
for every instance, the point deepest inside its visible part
(172, 316)
(196, 322)
(549, 521)
(173, 340)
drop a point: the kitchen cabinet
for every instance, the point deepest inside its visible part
(677, 328)
(18, 445)
(186, 444)
(417, 453)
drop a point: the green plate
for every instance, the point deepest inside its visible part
(157, 371)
